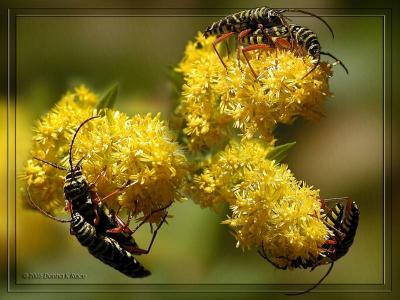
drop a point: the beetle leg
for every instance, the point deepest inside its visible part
(218, 40)
(239, 38)
(252, 48)
(146, 251)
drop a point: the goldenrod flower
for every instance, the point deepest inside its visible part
(215, 185)
(52, 136)
(212, 95)
(205, 125)
(140, 150)
(117, 148)
(268, 204)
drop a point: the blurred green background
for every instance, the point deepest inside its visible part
(341, 155)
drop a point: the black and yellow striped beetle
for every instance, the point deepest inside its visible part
(105, 235)
(299, 38)
(341, 222)
(245, 22)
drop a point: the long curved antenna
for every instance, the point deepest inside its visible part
(50, 163)
(73, 139)
(45, 212)
(264, 255)
(337, 60)
(315, 285)
(314, 15)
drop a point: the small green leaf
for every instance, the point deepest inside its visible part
(174, 76)
(176, 79)
(109, 98)
(278, 153)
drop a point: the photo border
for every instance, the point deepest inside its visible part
(13, 286)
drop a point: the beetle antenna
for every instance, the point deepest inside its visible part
(45, 212)
(314, 15)
(315, 285)
(50, 163)
(73, 139)
(337, 60)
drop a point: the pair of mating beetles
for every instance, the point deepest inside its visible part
(105, 235)
(265, 28)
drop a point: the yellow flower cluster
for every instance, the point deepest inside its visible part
(214, 98)
(52, 137)
(139, 149)
(205, 125)
(115, 149)
(219, 176)
(268, 204)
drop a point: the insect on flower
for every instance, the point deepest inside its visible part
(107, 237)
(105, 248)
(342, 222)
(295, 37)
(245, 22)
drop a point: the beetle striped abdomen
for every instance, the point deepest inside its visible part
(335, 215)
(106, 249)
(232, 23)
(246, 19)
(264, 36)
(307, 39)
(299, 35)
(349, 228)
